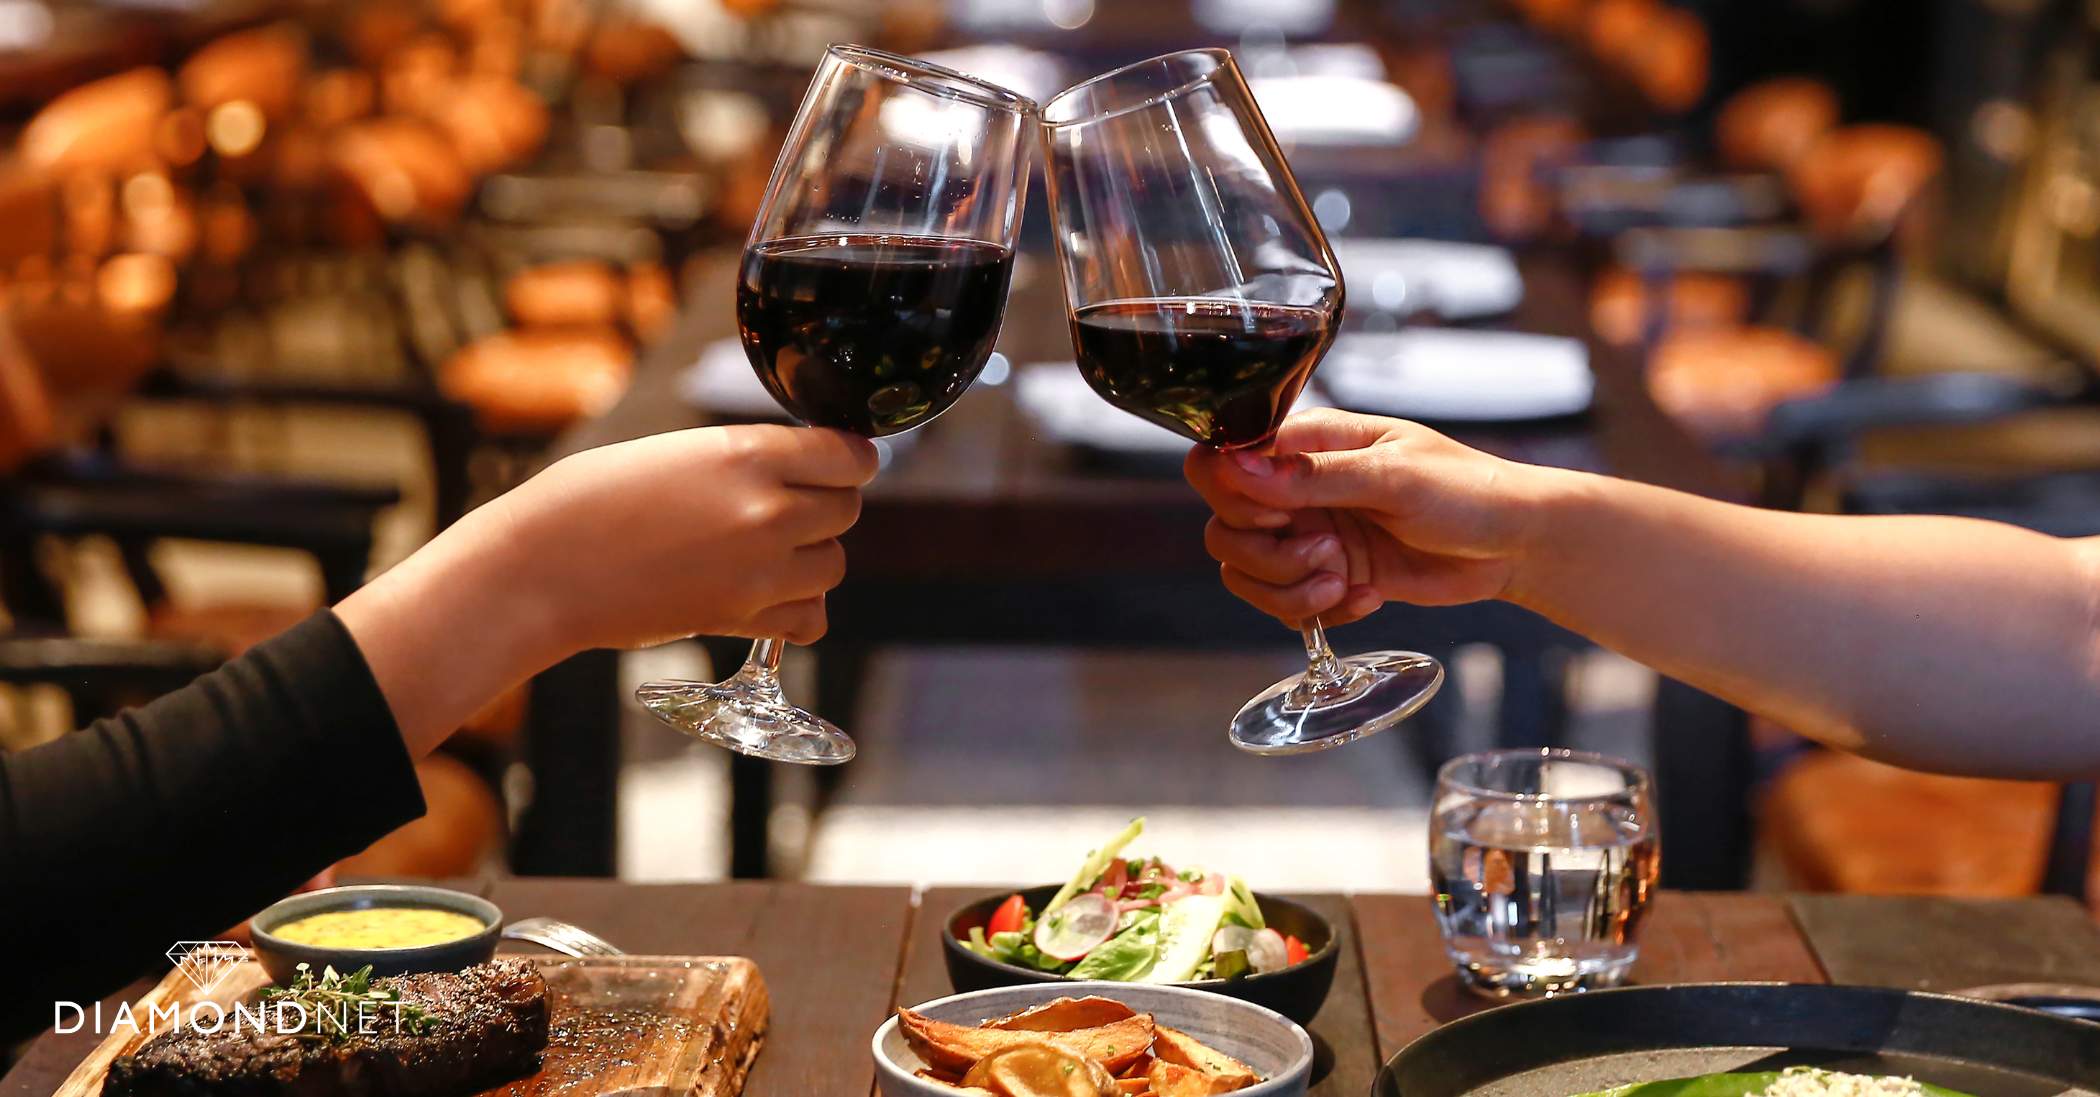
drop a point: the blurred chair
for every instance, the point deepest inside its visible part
(57, 487)
(532, 384)
(1856, 190)
(1770, 125)
(1838, 822)
(1659, 180)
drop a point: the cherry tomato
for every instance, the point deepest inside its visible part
(1294, 951)
(1009, 918)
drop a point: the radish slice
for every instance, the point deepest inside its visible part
(1073, 930)
(1264, 947)
(1266, 951)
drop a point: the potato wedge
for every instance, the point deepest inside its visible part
(1040, 1069)
(1181, 1049)
(950, 1080)
(956, 1048)
(1174, 1080)
(1065, 1015)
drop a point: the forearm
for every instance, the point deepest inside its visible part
(1938, 643)
(455, 625)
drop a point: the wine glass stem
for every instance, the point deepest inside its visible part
(762, 667)
(1322, 668)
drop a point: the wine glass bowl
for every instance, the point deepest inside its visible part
(840, 334)
(1202, 295)
(1218, 371)
(1202, 292)
(868, 300)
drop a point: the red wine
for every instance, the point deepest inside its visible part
(1221, 371)
(871, 334)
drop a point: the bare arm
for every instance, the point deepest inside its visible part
(726, 531)
(1937, 643)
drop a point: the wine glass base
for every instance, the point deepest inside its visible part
(733, 715)
(1376, 690)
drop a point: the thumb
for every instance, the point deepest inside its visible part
(1323, 430)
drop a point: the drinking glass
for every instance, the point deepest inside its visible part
(1202, 294)
(869, 298)
(1543, 862)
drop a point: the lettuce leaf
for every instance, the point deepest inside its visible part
(1124, 957)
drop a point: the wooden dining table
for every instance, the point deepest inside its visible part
(838, 960)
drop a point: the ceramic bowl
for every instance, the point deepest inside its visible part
(1297, 991)
(281, 958)
(1272, 1044)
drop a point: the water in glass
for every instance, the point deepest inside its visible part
(1543, 864)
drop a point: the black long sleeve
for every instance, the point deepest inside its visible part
(176, 820)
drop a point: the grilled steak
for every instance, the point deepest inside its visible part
(491, 1026)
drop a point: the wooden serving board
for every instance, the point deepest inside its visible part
(671, 1025)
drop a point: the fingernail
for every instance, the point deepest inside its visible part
(1364, 600)
(1254, 463)
(1272, 519)
(1328, 587)
(1322, 547)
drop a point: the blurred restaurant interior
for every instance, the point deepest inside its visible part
(292, 284)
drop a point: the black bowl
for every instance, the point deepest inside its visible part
(281, 958)
(1297, 991)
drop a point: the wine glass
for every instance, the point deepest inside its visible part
(1202, 296)
(869, 297)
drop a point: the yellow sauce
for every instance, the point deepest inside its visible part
(380, 927)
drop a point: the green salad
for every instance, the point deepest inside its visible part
(1139, 920)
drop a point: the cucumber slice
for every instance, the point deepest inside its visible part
(1096, 863)
(1185, 930)
(1242, 903)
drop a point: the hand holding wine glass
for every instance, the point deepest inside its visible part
(1347, 512)
(1202, 296)
(869, 298)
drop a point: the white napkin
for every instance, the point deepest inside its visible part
(1317, 109)
(1296, 18)
(1066, 409)
(1456, 374)
(1456, 281)
(1312, 59)
(721, 381)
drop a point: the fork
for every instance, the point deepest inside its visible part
(563, 937)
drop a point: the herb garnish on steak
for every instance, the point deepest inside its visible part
(477, 1027)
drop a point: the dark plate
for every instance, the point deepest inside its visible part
(1594, 1041)
(1297, 992)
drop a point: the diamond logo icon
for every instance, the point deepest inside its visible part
(206, 964)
